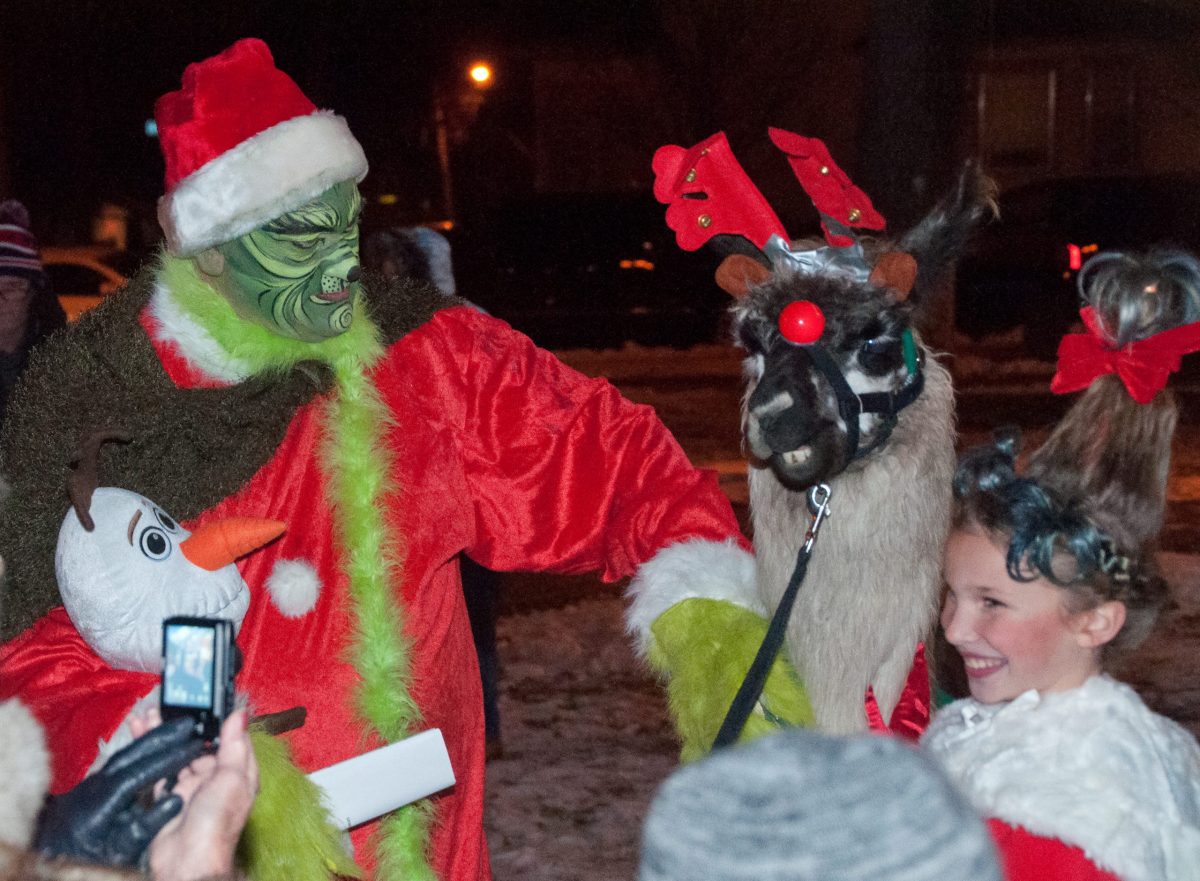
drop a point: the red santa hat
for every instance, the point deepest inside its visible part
(244, 145)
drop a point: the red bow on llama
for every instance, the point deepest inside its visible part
(830, 188)
(1143, 366)
(708, 193)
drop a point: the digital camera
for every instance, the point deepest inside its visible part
(199, 663)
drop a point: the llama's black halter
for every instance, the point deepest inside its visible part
(852, 405)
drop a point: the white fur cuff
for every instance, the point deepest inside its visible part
(687, 570)
(24, 772)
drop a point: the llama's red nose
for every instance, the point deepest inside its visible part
(801, 322)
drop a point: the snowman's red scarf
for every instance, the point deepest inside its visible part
(357, 466)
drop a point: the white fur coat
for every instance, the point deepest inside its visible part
(1093, 767)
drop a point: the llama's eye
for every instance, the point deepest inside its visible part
(880, 355)
(879, 345)
(748, 339)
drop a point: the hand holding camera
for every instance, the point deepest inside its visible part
(103, 819)
(218, 792)
(162, 788)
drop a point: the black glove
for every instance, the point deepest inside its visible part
(102, 819)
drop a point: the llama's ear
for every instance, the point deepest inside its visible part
(738, 272)
(940, 239)
(895, 271)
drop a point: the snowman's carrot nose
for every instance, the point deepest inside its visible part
(218, 544)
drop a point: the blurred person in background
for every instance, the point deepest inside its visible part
(28, 309)
(423, 254)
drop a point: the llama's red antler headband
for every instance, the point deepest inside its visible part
(708, 193)
(842, 205)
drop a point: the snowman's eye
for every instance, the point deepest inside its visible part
(154, 543)
(165, 519)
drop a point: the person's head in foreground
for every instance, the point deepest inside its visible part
(802, 806)
(1050, 571)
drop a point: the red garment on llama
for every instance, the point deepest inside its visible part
(910, 717)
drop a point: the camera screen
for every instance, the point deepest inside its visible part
(188, 668)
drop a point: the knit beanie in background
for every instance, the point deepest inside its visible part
(18, 247)
(437, 251)
(801, 806)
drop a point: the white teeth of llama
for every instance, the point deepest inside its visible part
(797, 457)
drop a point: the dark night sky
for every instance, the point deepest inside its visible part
(79, 77)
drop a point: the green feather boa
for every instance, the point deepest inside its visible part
(357, 467)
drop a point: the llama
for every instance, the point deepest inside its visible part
(873, 582)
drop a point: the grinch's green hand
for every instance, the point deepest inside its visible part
(704, 648)
(289, 836)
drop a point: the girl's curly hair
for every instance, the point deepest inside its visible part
(1056, 538)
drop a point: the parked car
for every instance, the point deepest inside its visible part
(1021, 269)
(82, 276)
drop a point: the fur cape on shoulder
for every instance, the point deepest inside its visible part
(25, 770)
(1093, 767)
(217, 438)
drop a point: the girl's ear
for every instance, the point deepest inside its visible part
(1100, 626)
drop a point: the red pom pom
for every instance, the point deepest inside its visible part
(801, 322)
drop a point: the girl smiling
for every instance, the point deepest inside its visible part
(1050, 575)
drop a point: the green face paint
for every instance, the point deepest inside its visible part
(298, 274)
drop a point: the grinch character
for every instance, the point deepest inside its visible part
(392, 428)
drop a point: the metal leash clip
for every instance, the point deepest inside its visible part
(818, 506)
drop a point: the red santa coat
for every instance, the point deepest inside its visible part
(1028, 857)
(498, 450)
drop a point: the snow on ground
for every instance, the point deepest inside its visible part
(588, 739)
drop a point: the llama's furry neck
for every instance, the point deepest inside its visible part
(873, 582)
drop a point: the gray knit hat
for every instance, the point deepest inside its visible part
(800, 806)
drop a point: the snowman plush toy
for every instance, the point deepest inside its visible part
(123, 566)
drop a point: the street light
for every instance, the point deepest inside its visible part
(480, 74)
(452, 113)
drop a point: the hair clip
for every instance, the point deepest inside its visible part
(1115, 565)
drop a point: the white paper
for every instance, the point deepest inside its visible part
(374, 783)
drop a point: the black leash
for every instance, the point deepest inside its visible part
(751, 688)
